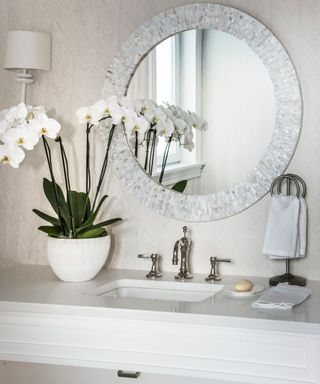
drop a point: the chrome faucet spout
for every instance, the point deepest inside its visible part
(185, 247)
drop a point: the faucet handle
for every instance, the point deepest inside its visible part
(154, 271)
(218, 260)
(214, 272)
(145, 255)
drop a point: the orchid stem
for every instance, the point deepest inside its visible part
(65, 165)
(165, 159)
(136, 144)
(148, 134)
(49, 160)
(88, 175)
(152, 153)
(104, 166)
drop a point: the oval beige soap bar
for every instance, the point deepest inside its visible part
(243, 286)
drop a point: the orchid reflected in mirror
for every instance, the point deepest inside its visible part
(167, 126)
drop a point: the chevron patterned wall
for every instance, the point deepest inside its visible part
(86, 35)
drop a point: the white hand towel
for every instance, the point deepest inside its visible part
(283, 296)
(303, 229)
(282, 230)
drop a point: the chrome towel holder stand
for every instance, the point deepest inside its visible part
(300, 187)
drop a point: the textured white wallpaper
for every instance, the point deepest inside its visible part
(86, 35)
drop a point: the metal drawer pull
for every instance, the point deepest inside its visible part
(128, 374)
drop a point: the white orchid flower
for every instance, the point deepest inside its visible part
(16, 115)
(97, 111)
(196, 121)
(165, 128)
(179, 124)
(84, 115)
(127, 114)
(12, 155)
(136, 124)
(103, 108)
(188, 140)
(155, 116)
(191, 119)
(44, 126)
(116, 113)
(22, 135)
(141, 106)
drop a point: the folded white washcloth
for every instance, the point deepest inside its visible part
(283, 296)
(281, 238)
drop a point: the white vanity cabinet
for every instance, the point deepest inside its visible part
(222, 341)
(173, 348)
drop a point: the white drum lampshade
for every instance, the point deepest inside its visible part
(27, 50)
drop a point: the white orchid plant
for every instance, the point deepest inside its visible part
(168, 121)
(22, 127)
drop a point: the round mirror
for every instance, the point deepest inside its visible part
(222, 80)
(218, 68)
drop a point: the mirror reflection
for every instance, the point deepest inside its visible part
(220, 98)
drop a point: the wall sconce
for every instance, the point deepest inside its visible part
(27, 50)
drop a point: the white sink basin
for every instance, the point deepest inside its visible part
(158, 290)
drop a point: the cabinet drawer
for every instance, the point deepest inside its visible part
(29, 373)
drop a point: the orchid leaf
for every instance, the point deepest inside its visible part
(100, 225)
(107, 222)
(91, 233)
(180, 186)
(88, 209)
(93, 216)
(51, 231)
(49, 191)
(103, 198)
(78, 205)
(52, 220)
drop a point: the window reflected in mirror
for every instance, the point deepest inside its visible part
(220, 79)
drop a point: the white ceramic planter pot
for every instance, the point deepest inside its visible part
(76, 260)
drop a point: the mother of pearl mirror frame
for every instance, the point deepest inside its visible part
(288, 111)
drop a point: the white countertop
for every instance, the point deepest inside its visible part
(34, 288)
